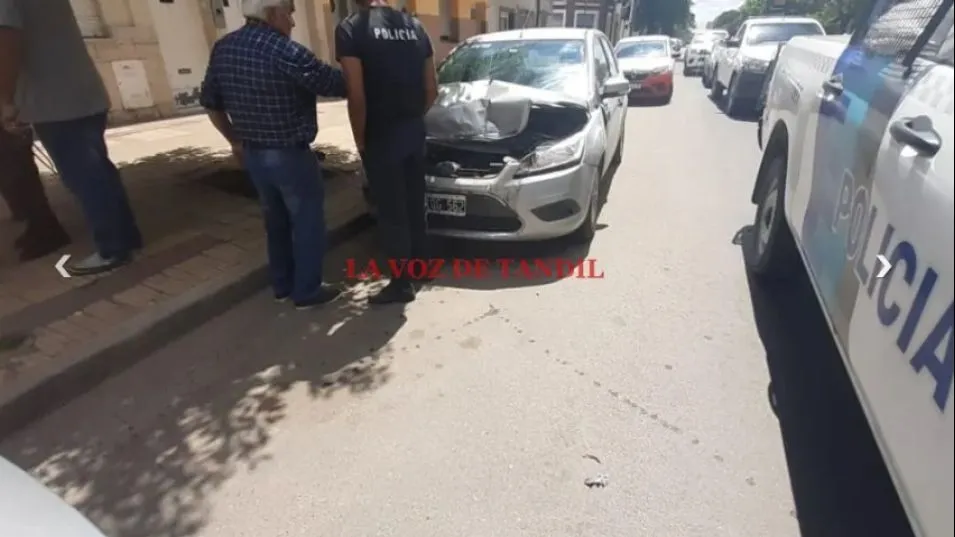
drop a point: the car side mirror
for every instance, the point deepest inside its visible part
(615, 86)
(731, 43)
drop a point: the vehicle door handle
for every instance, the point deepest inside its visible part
(833, 86)
(917, 132)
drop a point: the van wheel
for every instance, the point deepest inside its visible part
(588, 228)
(772, 254)
(705, 80)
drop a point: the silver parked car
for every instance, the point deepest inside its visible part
(28, 509)
(710, 61)
(525, 128)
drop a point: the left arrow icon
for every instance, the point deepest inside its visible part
(61, 266)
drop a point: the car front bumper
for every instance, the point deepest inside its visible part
(509, 208)
(694, 61)
(653, 86)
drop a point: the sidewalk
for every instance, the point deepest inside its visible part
(205, 251)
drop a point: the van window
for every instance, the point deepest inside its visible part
(939, 46)
(895, 25)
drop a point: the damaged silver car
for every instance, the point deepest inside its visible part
(525, 128)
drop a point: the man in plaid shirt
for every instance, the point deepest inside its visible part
(260, 91)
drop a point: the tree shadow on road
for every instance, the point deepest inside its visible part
(839, 481)
(142, 454)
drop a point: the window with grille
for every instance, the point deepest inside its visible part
(504, 20)
(556, 19)
(585, 19)
(895, 25)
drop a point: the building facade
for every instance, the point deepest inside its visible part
(609, 16)
(152, 54)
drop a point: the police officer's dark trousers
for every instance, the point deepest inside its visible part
(395, 165)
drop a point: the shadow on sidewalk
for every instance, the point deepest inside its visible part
(840, 484)
(173, 192)
(143, 454)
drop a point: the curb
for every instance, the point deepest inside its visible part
(140, 336)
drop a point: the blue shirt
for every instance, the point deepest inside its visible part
(267, 84)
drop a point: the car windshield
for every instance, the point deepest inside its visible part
(642, 49)
(551, 64)
(759, 34)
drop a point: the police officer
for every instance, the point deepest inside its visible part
(388, 62)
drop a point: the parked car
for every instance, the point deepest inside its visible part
(29, 509)
(699, 49)
(526, 127)
(648, 64)
(710, 61)
(855, 191)
(741, 69)
(676, 48)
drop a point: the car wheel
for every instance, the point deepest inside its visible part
(588, 228)
(733, 104)
(686, 70)
(705, 80)
(772, 254)
(716, 89)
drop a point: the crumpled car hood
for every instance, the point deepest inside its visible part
(488, 109)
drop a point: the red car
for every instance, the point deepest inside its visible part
(647, 62)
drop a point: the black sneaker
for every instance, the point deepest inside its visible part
(325, 295)
(396, 292)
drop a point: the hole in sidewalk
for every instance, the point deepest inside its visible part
(10, 343)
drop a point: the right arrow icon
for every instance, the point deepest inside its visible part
(885, 266)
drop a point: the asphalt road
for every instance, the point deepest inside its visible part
(482, 408)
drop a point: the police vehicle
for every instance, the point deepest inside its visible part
(856, 187)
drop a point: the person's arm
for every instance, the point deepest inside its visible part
(301, 65)
(11, 50)
(210, 98)
(347, 52)
(430, 76)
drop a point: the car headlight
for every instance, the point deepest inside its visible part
(753, 64)
(554, 155)
(660, 70)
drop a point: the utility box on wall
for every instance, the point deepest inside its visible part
(133, 84)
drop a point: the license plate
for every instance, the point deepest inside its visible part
(635, 85)
(446, 204)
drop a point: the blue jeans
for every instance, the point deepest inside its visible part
(78, 149)
(292, 194)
